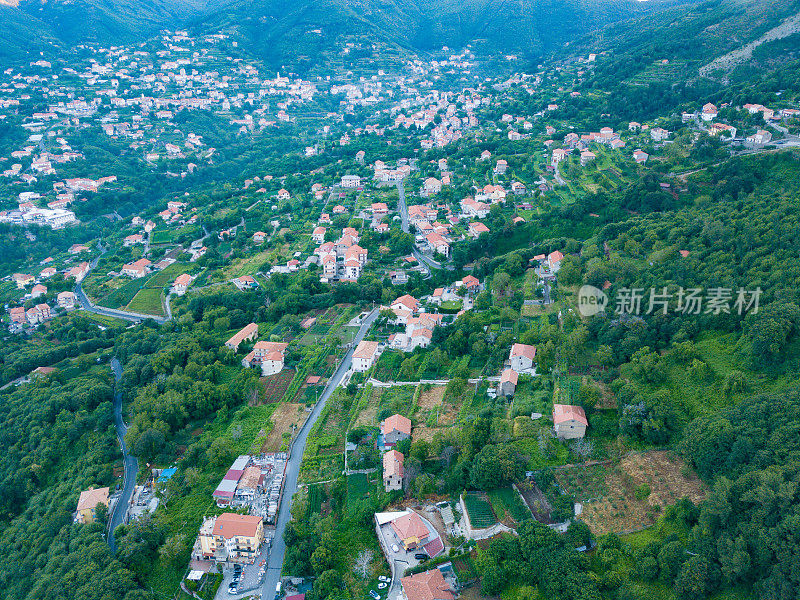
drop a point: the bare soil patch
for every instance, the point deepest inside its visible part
(429, 399)
(423, 432)
(285, 415)
(448, 413)
(662, 472)
(536, 501)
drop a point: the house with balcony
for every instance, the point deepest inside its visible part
(229, 537)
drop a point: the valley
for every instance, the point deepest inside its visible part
(399, 300)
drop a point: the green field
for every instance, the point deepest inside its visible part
(506, 501)
(147, 301)
(104, 319)
(123, 295)
(168, 275)
(480, 511)
(358, 488)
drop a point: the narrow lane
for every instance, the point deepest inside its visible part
(130, 462)
(278, 549)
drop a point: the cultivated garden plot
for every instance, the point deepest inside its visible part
(635, 492)
(275, 385)
(479, 509)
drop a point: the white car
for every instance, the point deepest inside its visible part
(382, 585)
(395, 548)
(384, 578)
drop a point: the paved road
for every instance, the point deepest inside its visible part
(130, 462)
(401, 205)
(425, 262)
(275, 562)
(87, 305)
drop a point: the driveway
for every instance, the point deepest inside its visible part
(275, 561)
(251, 580)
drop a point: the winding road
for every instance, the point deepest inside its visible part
(278, 549)
(130, 462)
(87, 305)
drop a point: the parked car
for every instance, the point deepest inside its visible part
(421, 556)
(382, 585)
(384, 578)
(375, 594)
(232, 589)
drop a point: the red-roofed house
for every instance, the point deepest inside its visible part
(245, 282)
(395, 429)
(365, 355)
(87, 504)
(554, 260)
(79, 272)
(471, 283)
(66, 300)
(269, 355)
(230, 537)
(247, 333)
(137, 269)
(569, 421)
(22, 279)
(521, 357)
(508, 383)
(411, 530)
(405, 302)
(392, 470)
(429, 585)
(475, 229)
(181, 284)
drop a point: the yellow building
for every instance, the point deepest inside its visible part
(88, 502)
(229, 537)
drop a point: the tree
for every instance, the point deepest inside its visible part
(670, 559)
(363, 562)
(495, 466)
(149, 444)
(694, 580)
(578, 534)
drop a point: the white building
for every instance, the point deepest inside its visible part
(365, 355)
(351, 181)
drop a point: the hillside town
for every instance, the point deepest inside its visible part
(335, 322)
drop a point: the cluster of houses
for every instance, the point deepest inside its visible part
(406, 534)
(20, 317)
(606, 137)
(342, 260)
(268, 356)
(709, 113)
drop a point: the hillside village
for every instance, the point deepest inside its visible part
(351, 302)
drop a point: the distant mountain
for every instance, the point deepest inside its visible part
(296, 33)
(697, 33)
(300, 32)
(734, 51)
(30, 25)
